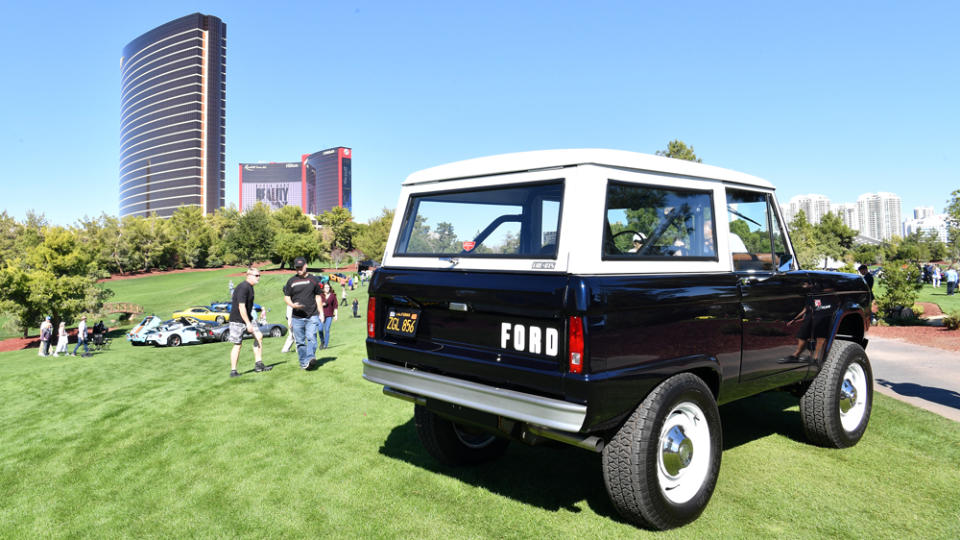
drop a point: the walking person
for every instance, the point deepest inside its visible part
(302, 294)
(82, 337)
(951, 280)
(62, 339)
(936, 276)
(329, 302)
(356, 307)
(241, 309)
(46, 332)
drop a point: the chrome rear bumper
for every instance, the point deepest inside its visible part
(541, 411)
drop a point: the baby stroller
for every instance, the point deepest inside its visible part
(100, 340)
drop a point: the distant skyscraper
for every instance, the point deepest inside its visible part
(934, 223)
(921, 212)
(879, 215)
(172, 122)
(327, 176)
(848, 214)
(813, 205)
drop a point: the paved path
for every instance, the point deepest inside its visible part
(923, 376)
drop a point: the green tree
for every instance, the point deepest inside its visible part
(252, 238)
(832, 238)
(371, 237)
(221, 222)
(145, 242)
(338, 222)
(292, 219)
(953, 233)
(190, 236)
(9, 231)
(57, 278)
(804, 242)
(287, 246)
(677, 149)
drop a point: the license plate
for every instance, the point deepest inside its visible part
(402, 322)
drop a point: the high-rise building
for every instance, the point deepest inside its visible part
(327, 176)
(317, 183)
(879, 215)
(934, 223)
(275, 184)
(848, 214)
(813, 205)
(921, 212)
(172, 123)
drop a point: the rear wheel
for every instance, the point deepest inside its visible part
(275, 332)
(173, 341)
(220, 319)
(454, 444)
(661, 467)
(836, 407)
(225, 335)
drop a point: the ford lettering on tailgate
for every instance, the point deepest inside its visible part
(531, 339)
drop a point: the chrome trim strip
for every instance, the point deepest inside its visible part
(547, 412)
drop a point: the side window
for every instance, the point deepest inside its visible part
(657, 222)
(752, 239)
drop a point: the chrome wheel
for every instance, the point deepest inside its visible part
(853, 397)
(683, 458)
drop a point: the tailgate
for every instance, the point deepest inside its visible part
(501, 329)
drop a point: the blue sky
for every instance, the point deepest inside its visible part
(836, 98)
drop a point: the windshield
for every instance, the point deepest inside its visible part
(516, 221)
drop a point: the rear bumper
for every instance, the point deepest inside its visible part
(541, 411)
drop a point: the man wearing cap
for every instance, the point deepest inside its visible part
(241, 307)
(302, 293)
(81, 337)
(46, 332)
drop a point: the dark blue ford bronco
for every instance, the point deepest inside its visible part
(608, 300)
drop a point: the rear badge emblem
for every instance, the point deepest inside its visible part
(540, 265)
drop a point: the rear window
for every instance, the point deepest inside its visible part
(516, 221)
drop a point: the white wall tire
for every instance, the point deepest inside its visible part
(661, 467)
(836, 407)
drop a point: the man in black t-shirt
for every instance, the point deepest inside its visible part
(302, 293)
(241, 320)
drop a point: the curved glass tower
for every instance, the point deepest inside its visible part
(172, 121)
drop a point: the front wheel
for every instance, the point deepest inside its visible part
(275, 332)
(836, 407)
(453, 444)
(174, 341)
(219, 319)
(661, 467)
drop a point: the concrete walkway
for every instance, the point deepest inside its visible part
(922, 376)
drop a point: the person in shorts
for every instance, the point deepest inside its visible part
(241, 320)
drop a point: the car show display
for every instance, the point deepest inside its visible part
(611, 301)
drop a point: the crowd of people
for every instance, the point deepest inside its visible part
(932, 273)
(84, 336)
(312, 308)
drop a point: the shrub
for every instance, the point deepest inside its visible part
(952, 321)
(901, 286)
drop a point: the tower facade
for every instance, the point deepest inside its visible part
(172, 123)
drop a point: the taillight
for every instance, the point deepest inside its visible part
(371, 317)
(575, 345)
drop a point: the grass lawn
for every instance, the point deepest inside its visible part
(141, 441)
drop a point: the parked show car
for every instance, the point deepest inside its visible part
(204, 313)
(137, 336)
(180, 331)
(611, 301)
(222, 333)
(221, 310)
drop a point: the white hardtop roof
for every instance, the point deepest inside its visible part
(546, 159)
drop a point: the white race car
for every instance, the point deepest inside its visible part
(179, 331)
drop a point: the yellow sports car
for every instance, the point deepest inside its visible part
(204, 313)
